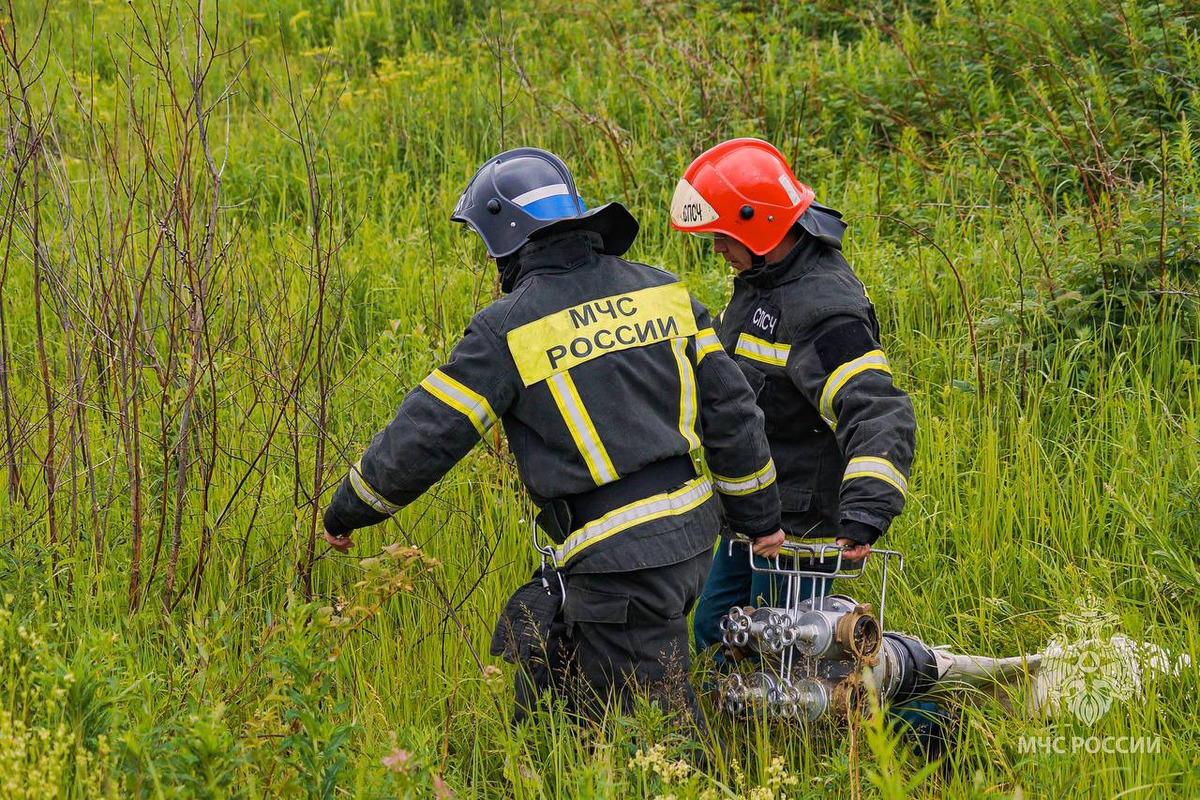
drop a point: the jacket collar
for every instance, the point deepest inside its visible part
(560, 251)
(793, 266)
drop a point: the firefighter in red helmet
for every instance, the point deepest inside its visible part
(802, 329)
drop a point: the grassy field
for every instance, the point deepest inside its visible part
(227, 256)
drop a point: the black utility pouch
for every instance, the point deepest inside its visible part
(524, 625)
(555, 520)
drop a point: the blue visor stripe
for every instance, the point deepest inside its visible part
(556, 207)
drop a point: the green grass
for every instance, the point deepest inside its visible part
(1022, 183)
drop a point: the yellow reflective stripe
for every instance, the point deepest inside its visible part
(875, 359)
(367, 494)
(565, 339)
(875, 467)
(796, 537)
(747, 484)
(757, 349)
(687, 394)
(706, 342)
(666, 504)
(462, 399)
(566, 396)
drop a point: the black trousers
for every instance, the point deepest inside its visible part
(618, 635)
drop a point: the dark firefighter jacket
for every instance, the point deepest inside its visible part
(597, 368)
(841, 432)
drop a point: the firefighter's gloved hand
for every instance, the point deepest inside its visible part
(854, 550)
(768, 546)
(857, 538)
(340, 543)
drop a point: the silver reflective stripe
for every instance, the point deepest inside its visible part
(462, 399)
(687, 394)
(706, 342)
(684, 499)
(566, 396)
(875, 359)
(761, 350)
(875, 467)
(748, 484)
(369, 495)
(790, 188)
(541, 193)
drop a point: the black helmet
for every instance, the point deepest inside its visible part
(527, 193)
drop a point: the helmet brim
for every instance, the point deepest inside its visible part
(617, 227)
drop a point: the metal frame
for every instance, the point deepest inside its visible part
(817, 555)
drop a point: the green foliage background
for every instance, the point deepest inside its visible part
(227, 258)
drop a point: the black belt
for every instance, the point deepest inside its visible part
(564, 515)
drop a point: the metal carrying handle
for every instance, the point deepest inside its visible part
(817, 553)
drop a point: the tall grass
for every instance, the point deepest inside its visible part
(227, 256)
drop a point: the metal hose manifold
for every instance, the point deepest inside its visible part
(851, 634)
(764, 694)
(759, 693)
(764, 630)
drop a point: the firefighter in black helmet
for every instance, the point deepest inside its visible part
(605, 375)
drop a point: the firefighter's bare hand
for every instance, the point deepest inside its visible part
(855, 551)
(768, 546)
(340, 543)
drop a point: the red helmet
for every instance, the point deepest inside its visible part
(744, 189)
